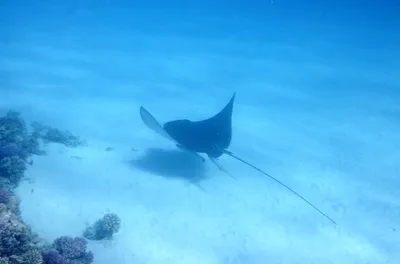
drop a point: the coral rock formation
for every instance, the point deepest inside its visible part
(103, 228)
(18, 244)
(14, 234)
(73, 250)
(53, 257)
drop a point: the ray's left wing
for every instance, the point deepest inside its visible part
(149, 120)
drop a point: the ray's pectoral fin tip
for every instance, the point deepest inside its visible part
(211, 136)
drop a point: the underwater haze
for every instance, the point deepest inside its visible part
(317, 106)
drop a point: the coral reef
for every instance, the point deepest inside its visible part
(33, 256)
(53, 257)
(103, 228)
(73, 250)
(50, 134)
(9, 149)
(14, 137)
(12, 170)
(12, 129)
(18, 244)
(14, 234)
(13, 204)
(4, 196)
(16, 145)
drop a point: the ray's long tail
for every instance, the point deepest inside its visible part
(281, 183)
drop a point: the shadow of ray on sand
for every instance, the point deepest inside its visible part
(171, 164)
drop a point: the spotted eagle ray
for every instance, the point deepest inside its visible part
(211, 136)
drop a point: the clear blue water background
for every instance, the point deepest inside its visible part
(317, 82)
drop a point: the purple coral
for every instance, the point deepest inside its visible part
(73, 249)
(53, 257)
